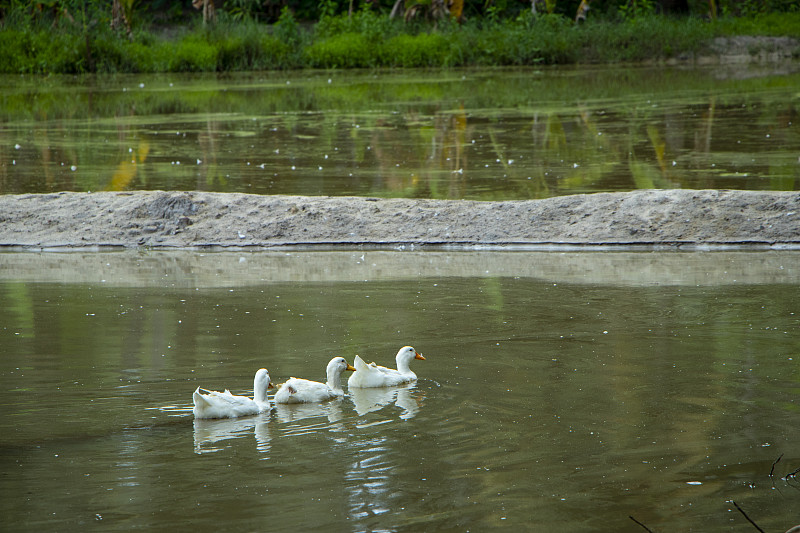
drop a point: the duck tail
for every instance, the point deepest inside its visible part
(359, 363)
(198, 398)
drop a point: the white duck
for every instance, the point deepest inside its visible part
(213, 404)
(297, 390)
(372, 375)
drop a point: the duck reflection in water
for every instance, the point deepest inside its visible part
(368, 400)
(292, 412)
(209, 432)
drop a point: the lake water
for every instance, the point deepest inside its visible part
(560, 391)
(476, 134)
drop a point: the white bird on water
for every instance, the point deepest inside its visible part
(213, 404)
(373, 375)
(297, 390)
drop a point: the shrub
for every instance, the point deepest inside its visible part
(348, 50)
(423, 50)
(15, 57)
(55, 51)
(193, 54)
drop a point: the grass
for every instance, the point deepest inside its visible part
(367, 40)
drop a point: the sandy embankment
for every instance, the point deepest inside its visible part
(158, 219)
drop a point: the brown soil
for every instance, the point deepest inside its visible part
(200, 219)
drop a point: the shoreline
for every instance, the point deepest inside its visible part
(644, 219)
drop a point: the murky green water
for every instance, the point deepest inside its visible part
(561, 391)
(478, 134)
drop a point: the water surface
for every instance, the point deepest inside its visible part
(561, 391)
(477, 134)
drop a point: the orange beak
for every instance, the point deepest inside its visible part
(270, 386)
(350, 367)
(419, 356)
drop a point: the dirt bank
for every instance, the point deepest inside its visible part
(198, 219)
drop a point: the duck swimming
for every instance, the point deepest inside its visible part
(372, 375)
(213, 404)
(297, 390)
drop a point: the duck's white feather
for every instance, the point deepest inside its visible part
(214, 404)
(297, 390)
(373, 375)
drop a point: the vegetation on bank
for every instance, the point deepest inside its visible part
(55, 39)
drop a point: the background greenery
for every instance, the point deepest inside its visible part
(75, 36)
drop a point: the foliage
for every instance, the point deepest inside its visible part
(423, 50)
(771, 24)
(287, 29)
(52, 42)
(633, 9)
(243, 9)
(193, 53)
(348, 50)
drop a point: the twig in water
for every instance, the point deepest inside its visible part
(644, 526)
(748, 518)
(772, 470)
(791, 474)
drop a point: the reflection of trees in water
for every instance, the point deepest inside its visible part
(429, 151)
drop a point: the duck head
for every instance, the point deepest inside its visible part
(335, 369)
(405, 356)
(261, 384)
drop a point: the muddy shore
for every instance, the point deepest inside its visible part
(158, 219)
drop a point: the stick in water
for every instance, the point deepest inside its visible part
(748, 518)
(772, 470)
(644, 526)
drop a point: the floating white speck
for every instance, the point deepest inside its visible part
(199, 161)
(17, 146)
(674, 163)
(694, 482)
(575, 165)
(141, 85)
(73, 168)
